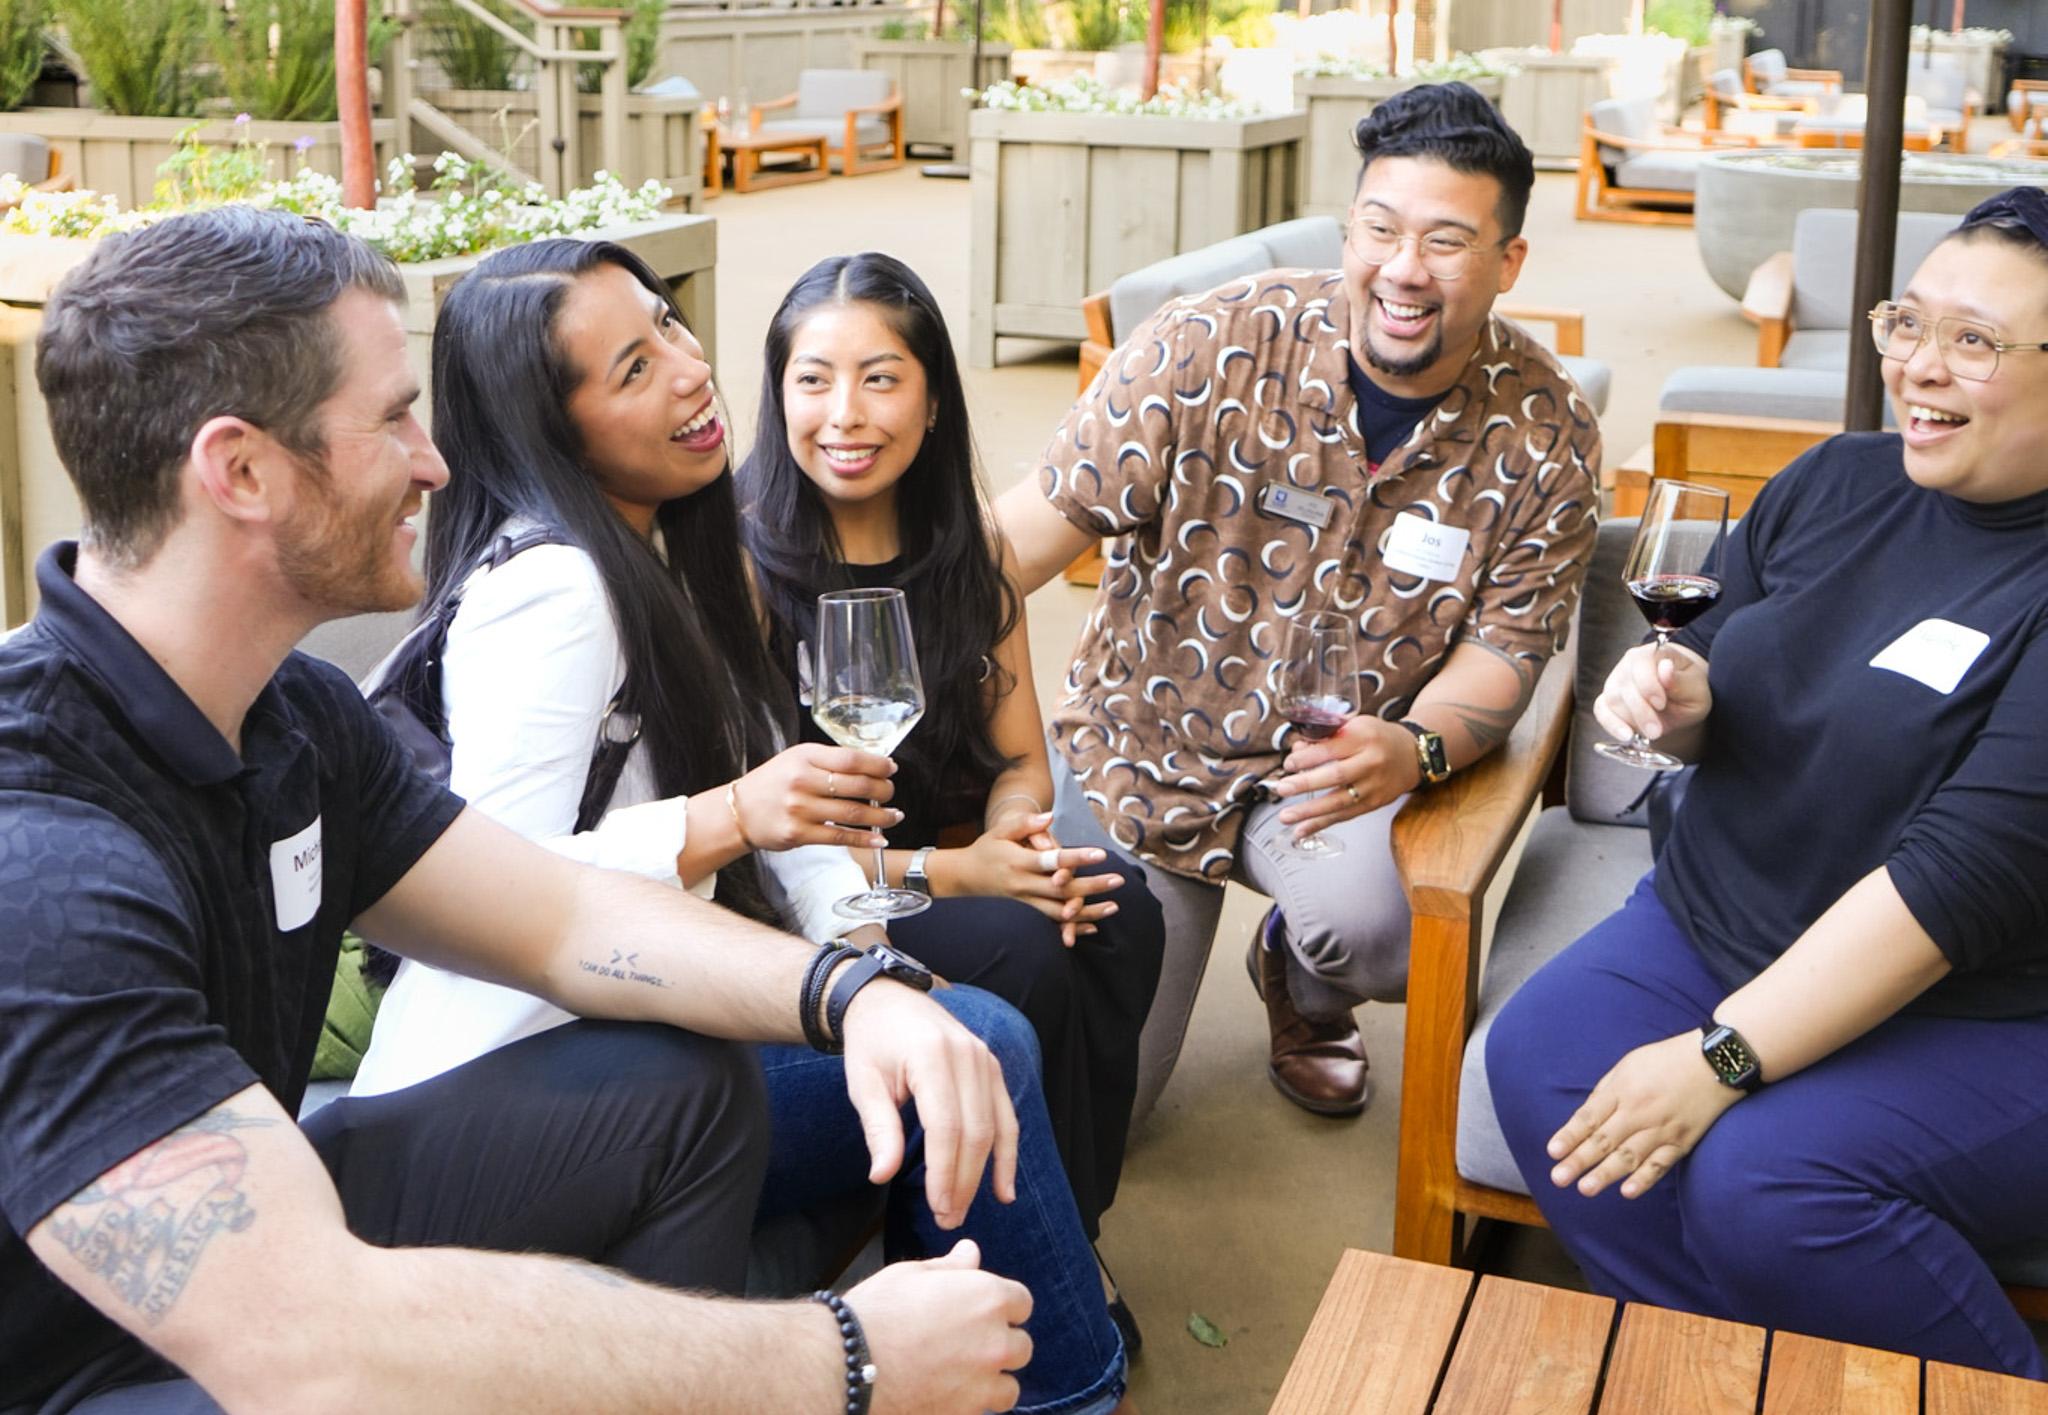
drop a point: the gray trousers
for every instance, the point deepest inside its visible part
(1347, 920)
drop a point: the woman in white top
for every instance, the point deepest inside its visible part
(569, 397)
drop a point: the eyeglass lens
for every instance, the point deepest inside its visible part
(1969, 350)
(1443, 256)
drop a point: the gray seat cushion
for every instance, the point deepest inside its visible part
(1305, 243)
(866, 131)
(26, 156)
(1816, 394)
(1135, 297)
(828, 93)
(1659, 171)
(1634, 118)
(1594, 377)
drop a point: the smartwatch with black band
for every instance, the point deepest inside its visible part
(879, 961)
(1429, 753)
(1735, 1065)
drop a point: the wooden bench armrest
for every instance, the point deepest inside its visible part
(755, 111)
(1569, 324)
(1767, 303)
(1831, 77)
(888, 105)
(1450, 840)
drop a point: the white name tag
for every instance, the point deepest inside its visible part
(295, 878)
(1416, 545)
(1934, 652)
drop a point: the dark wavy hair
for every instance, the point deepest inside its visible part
(696, 669)
(1458, 127)
(961, 604)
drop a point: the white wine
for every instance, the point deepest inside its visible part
(867, 722)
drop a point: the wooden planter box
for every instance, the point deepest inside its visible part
(119, 156)
(664, 136)
(1546, 101)
(1329, 159)
(930, 75)
(37, 504)
(1064, 203)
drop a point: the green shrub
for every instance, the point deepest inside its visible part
(470, 52)
(1248, 24)
(1101, 24)
(1681, 19)
(1018, 22)
(293, 83)
(643, 40)
(23, 43)
(138, 55)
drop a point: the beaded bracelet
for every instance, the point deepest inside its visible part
(860, 1370)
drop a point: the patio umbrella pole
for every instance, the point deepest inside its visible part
(352, 92)
(1877, 225)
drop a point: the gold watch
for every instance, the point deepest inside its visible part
(1429, 753)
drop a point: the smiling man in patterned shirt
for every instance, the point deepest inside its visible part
(1373, 441)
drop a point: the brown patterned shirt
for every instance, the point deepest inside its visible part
(1168, 718)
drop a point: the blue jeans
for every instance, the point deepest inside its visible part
(1847, 1201)
(819, 1153)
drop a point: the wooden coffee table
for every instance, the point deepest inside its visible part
(747, 149)
(1394, 1337)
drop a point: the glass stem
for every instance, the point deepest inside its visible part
(881, 864)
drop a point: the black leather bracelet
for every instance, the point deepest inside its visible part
(860, 1368)
(828, 957)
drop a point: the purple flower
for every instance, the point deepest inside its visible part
(303, 144)
(241, 118)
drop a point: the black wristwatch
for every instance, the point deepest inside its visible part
(1735, 1065)
(878, 961)
(1429, 753)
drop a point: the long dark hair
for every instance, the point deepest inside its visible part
(696, 670)
(961, 604)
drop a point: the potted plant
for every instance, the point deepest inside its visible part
(436, 238)
(1337, 92)
(1074, 184)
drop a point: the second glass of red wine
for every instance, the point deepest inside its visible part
(1674, 576)
(1318, 692)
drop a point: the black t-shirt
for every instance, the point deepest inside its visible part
(1385, 421)
(169, 918)
(1879, 666)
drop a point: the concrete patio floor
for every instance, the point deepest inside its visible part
(1235, 1204)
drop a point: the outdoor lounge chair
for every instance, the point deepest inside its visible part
(1732, 108)
(1799, 299)
(1766, 72)
(1634, 168)
(857, 111)
(1581, 859)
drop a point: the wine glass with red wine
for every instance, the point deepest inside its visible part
(1674, 576)
(1319, 692)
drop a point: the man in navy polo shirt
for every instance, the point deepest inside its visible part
(190, 814)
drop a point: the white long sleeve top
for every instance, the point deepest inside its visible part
(533, 660)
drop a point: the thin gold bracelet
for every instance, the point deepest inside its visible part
(732, 803)
(990, 813)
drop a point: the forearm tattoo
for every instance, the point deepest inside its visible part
(1489, 726)
(143, 1225)
(625, 967)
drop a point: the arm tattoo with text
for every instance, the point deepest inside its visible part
(623, 966)
(144, 1224)
(1490, 726)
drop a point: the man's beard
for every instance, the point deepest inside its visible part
(1409, 367)
(338, 556)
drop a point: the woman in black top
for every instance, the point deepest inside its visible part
(1801, 1079)
(862, 474)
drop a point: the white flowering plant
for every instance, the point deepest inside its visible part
(1460, 67)
(1086, 94)
(472, 207)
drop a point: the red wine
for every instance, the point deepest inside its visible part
(1317, 718)
(1673, 601)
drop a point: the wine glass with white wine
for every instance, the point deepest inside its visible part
(866, 693)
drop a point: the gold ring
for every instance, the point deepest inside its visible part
(831, 783)
(1352, 792)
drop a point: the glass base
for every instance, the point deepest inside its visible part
(1638, 752)
(883, 904)
(1315, 847)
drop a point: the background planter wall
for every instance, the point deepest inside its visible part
(1064, 203)
(664, 136)
(1746, 203)
(727, 50)
(1977, 53)
(1117, 68)
(119, 156)
(1329, 159)
(930, 75)
(1547, 98)
(1473, 25)
(37, 504)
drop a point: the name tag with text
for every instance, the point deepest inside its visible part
(1416, 545)
(295, 877)
(1934, 652)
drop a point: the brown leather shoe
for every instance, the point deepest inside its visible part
(1320, 1066)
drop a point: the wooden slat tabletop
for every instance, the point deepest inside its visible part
(1394, 1337)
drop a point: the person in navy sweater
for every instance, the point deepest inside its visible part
(1801, 1078)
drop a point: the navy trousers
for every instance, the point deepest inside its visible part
(1849, 1201)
